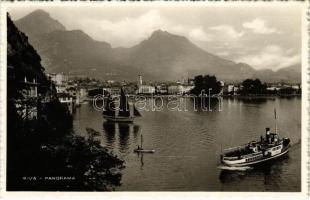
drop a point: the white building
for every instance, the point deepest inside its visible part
(110, 81)
(140, 80)
(61, 88)
(187, 88)
(161, 89)
(83, 93)
(272, 88)
(146, 89)
(31, 88)
(236, 89)
(58, 79)
(296, 87)
(230, 88)
(67, 100)
(179, 89)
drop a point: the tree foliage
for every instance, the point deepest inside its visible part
(204, 83)
(45, 146)
(250, 86)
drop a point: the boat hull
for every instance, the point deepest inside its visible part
(118, 119)
(144, 151)
(256, 162)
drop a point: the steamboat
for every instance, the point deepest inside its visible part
(269, 147)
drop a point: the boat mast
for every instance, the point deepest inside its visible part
(141, 140)
(275, 117)
(123, 105)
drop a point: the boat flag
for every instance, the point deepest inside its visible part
(275, 117)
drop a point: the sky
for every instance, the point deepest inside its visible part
(265, 37)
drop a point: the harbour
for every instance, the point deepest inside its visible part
(188, 145)
(147, 99)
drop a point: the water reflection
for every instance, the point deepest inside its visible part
(123, 131)
(109, 129)
(136, 130)
(180, 137)
(141, 160)
(202, 105)
(269, 171)
(253, 100)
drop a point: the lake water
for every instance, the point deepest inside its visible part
(188, 145)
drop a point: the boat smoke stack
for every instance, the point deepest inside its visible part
(267, 131)
(140, 80)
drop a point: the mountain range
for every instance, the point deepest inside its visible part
(161, 57)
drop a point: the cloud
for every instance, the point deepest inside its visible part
(223, 53)
(129, 31)
(271, 57)
(259, 26)
(227, 31)
(199, 34)
(225, 38)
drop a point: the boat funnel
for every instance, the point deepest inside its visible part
(267, 131)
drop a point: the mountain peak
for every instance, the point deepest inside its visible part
(160, 32)
(39, 13)
(38, 22)
(165, 36)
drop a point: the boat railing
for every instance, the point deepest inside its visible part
(252, 154)
(231, 158)
(232, 149)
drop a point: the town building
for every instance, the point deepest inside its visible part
(146, 89)
(59, 78)
(140, 80)
(67, 100)
(29, 105)
(230, 88)
(112, 90)
(30, 88)
(161, 89)
(179, 89)
(295, 87)
(272, 88)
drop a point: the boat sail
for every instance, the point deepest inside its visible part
(123, 105)
(136, 112)
(110, 109)
(122, 112)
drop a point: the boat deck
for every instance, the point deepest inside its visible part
(246, 150)
(238, 152)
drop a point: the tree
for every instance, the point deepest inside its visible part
(204, 83)
(253, 87)
(46, 146)
(287, 91)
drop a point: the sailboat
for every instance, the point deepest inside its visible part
(121, 114)
(141, 150)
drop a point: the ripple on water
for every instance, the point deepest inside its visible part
(187, 147)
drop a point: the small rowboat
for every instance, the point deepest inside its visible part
(144, 151)
(141, 150)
